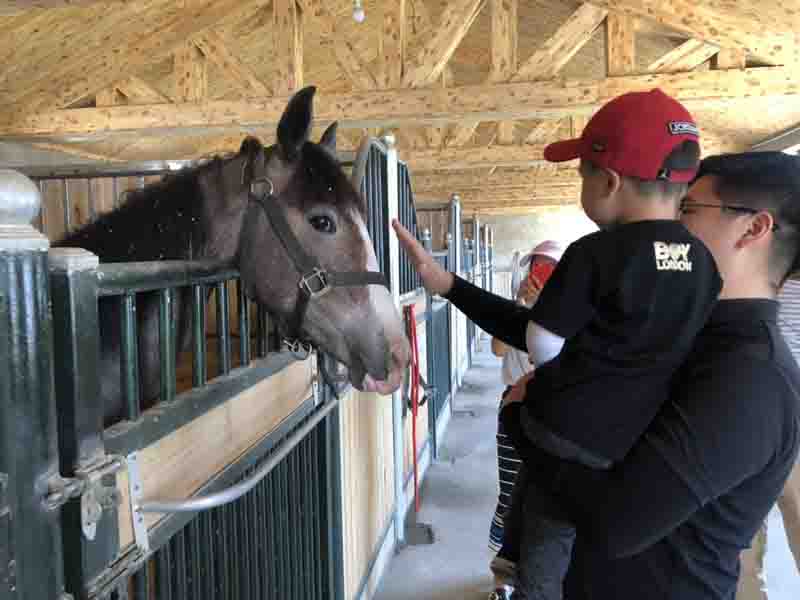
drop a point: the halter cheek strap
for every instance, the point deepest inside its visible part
(315, 281)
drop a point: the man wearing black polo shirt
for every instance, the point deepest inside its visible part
(670, 519)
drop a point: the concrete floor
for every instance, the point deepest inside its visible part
(459, 498)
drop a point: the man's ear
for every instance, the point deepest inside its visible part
(759, 227)
(613, 181)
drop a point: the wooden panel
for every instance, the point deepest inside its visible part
(367, 481)
(178, 465)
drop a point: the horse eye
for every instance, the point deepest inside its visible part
(323, 224)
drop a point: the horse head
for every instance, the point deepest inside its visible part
(300, 185)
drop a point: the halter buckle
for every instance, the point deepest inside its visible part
(315, 284)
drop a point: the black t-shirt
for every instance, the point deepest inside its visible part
(669, 521)
(629, 302)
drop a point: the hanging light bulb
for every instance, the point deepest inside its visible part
(358, 11)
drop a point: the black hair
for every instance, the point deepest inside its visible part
(768, 181)
(684, 157)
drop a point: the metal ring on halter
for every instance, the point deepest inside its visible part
(262, 179)
(299, 349)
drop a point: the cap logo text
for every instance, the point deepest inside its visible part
(683, 128)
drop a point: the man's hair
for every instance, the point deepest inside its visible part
(684, 157)
(768, 181)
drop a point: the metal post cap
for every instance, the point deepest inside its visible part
(20, 200)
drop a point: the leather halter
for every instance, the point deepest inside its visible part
(315, 281)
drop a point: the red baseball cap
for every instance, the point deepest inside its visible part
(633, 134)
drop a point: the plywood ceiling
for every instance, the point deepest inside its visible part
(472, 89)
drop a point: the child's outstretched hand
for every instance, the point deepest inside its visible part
(435, 279)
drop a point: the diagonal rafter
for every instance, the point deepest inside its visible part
(559, 49)
(686, 57)
(132, 90)
(431, 60)
(216, 50)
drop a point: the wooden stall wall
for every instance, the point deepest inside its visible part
(367, 482)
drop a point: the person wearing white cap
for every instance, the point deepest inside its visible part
(539, 264)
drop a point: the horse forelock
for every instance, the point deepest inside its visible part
(321, 173)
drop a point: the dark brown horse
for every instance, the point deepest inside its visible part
(208, 212)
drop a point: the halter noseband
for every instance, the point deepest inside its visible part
(315, 281)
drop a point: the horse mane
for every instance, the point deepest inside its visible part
(162, 221)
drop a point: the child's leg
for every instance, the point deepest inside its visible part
(546, 545)
(508, 463)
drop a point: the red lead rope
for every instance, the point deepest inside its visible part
(411, 327)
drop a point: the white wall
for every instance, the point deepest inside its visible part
(512, 233)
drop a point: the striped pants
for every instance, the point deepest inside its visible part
(508, 465)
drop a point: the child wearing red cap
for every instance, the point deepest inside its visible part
(616, 319)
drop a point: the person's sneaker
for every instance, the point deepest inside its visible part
(503, 592)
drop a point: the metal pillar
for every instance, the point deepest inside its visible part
(30, 532)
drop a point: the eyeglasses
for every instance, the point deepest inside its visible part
(734, 207)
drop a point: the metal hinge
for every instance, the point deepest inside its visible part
(87, 485)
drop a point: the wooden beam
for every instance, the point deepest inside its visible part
(396, 108)
(190, 74)
(170, 27)
(728, 58)
(288, 45)
(504, 55)
(454, 24)
(465, 180)
(393, 44)
(620, 44)
(216, 50)
(491, 197)
(686, 57)
(559, 49)
(722, 25)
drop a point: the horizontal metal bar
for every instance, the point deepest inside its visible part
(100, 170)
(119, 278)
(235, 492)
(158, 422)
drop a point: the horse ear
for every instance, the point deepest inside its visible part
(295, 124)
(251, 146)
(328, 139)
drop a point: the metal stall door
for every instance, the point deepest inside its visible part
(281, 539)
